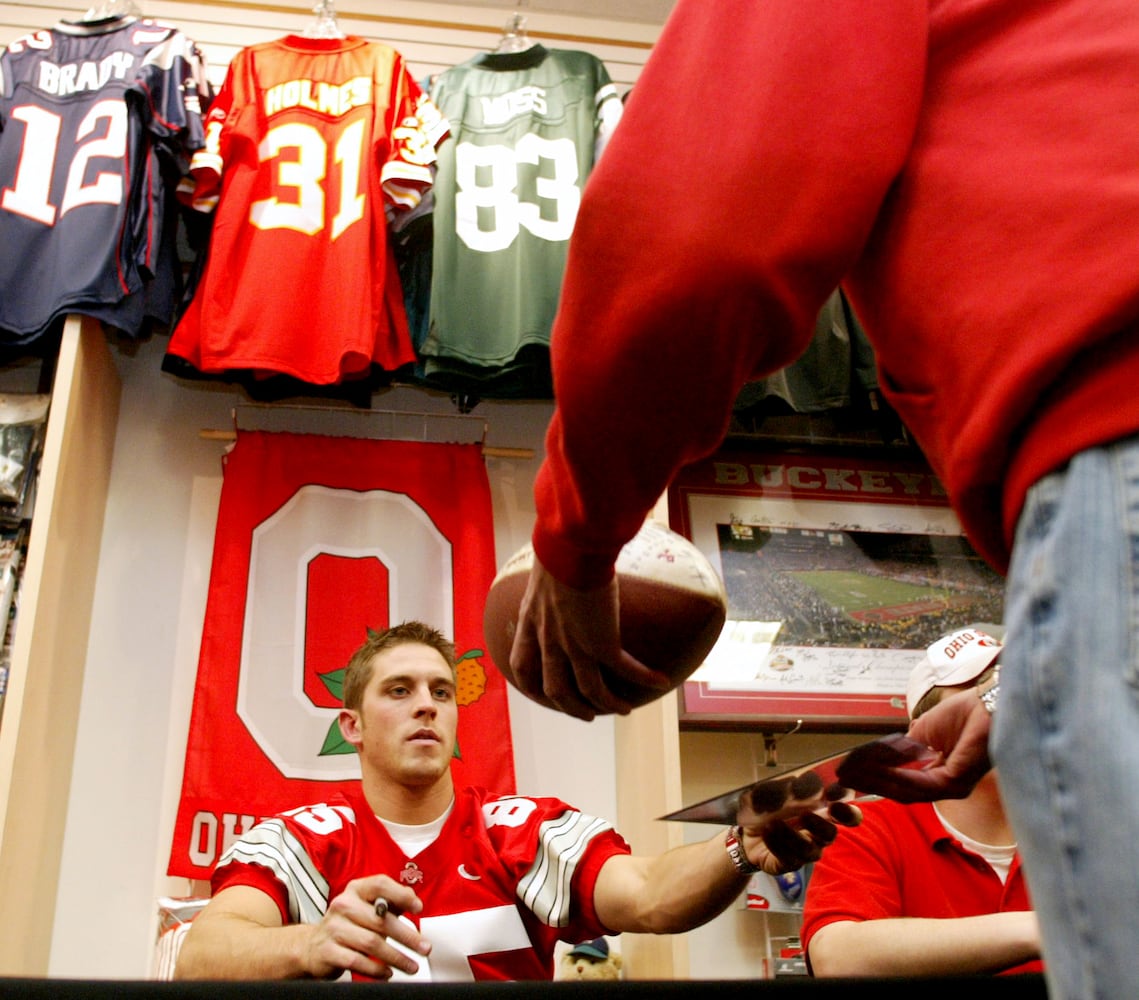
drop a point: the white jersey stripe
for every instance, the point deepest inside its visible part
(545, 888)
(273, 846)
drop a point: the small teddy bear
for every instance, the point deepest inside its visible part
(590, 960)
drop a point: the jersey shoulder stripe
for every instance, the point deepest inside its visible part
(273, 846)
(562, 842)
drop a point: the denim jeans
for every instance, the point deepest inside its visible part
(1065, 738)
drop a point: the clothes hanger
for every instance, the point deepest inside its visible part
(325, 25)
(514, 36)
(112, 8)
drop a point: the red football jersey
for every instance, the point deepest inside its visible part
(505, 879)
(310, 143)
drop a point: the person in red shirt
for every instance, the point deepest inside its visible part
(929, 888)
(411, 878)
(968, 172)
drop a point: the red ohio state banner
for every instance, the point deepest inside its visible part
(318, 539)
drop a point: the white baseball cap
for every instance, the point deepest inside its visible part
(954, 659)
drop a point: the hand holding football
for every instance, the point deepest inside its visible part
(672, 607)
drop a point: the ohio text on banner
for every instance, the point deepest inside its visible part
(319, 538)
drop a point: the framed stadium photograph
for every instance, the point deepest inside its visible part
(840, 569)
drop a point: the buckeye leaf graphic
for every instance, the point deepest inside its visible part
(334, 741)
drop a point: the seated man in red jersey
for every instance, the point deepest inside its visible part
(928, 888)
(409, 877)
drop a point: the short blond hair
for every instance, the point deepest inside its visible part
(359, 669)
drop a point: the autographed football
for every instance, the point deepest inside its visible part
(673, 607)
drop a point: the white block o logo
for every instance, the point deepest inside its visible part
(315, 521)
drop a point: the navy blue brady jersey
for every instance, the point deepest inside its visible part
(97, 123)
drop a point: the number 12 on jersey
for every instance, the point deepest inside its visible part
(101, 139)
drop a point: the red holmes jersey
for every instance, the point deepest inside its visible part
(504, 880)
(309, 144)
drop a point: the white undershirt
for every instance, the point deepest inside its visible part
(413, 839)
(999, 856)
